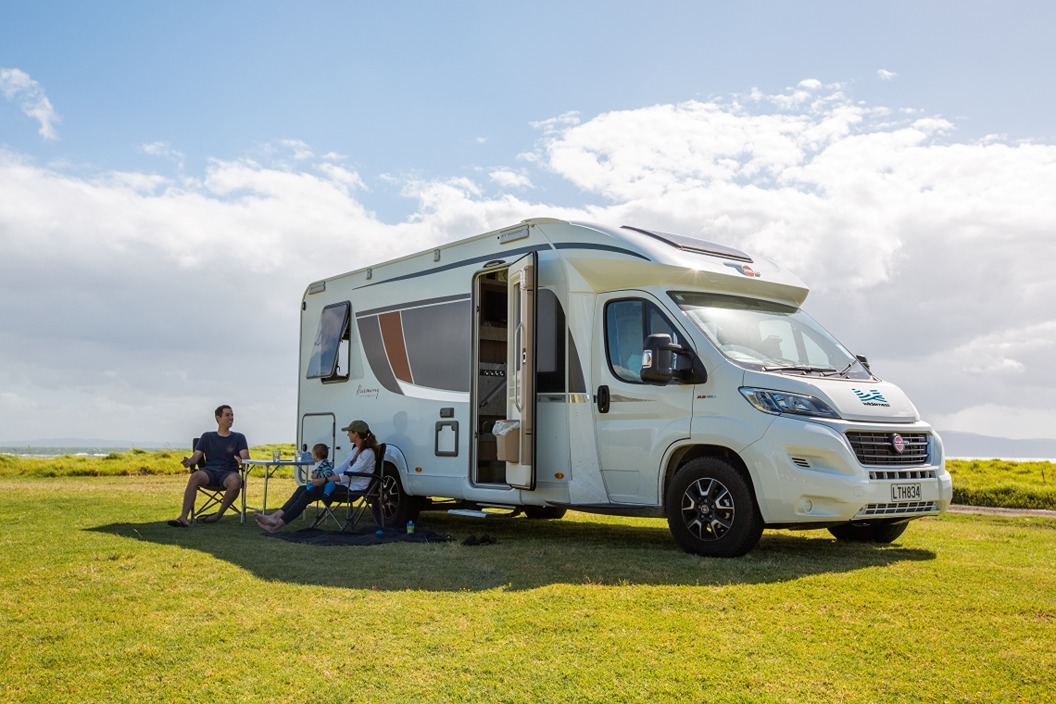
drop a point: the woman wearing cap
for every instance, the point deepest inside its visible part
(360, 462)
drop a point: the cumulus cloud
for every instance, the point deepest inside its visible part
(925, 253)
(164, 151)
(507, 178)
(886, 75)
(18, 87)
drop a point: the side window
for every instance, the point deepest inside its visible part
(627, 325)
(550, 343)
(330, 352)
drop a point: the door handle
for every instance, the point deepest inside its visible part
(602, 399)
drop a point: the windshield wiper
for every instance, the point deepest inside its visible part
(844, 370)
(806, 369)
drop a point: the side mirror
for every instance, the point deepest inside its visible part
(658, 359)
(663, 360)
(864, 362)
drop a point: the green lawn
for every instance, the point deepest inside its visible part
(104, 602)
(1004, 483)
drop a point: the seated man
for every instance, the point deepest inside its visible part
(224, 451)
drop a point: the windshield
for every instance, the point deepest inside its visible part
(767, 336)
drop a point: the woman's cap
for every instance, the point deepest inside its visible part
(357, 426)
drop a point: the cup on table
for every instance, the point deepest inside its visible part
(274, 455)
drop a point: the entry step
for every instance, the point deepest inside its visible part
(509, 512)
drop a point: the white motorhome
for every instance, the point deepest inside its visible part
(554, 365)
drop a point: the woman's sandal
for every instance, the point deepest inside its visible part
(177, 524)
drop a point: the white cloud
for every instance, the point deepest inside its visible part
(507, 178)
(171, 295)
(165, 151)
(886, 75)
(16, 85)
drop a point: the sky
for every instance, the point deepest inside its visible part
(173, 175)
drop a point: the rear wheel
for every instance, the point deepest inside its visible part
(869, 532)
(395, 507)
(545, 512)
(711, 510)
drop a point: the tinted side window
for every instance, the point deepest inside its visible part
(329, 360)
(550, 343)
(628, 323)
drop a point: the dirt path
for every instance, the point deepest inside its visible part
(1034, 512)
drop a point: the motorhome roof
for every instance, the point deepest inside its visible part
(608, 257)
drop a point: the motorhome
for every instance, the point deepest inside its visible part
(556, 365)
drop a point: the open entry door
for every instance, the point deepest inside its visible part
(520, 365)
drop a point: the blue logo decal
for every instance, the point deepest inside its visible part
(871, 398)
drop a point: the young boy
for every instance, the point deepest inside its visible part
(324, 468)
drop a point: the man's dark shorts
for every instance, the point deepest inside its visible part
(217, 476)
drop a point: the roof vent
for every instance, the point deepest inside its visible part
(692, 244)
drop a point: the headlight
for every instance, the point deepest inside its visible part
(770, 401)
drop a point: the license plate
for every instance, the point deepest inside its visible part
(905, 492)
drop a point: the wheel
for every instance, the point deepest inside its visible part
(711, 510)
(395, 506)
(869, 532)
(544, 512)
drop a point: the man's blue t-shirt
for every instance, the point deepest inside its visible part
(220, 451)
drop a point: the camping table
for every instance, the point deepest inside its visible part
(270, 467)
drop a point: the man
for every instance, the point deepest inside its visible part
(224, 451)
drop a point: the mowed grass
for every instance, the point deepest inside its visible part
(102, 602)
(997, 483)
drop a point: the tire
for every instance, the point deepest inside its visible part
(544, 512)
(395, 506)
(869, 532)
(711, 509)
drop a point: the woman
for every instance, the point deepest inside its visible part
(360, 461)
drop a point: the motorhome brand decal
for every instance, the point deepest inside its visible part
(871, 398)
(744, 269)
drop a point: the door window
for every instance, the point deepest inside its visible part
(628, 322)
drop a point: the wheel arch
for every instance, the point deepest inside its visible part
(687, 453)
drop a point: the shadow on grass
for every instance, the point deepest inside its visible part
(529, 555)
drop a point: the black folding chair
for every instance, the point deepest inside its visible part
(213, 493)
(356, 502)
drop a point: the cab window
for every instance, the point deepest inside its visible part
(628, 322)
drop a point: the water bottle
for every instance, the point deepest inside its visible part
(410, 526)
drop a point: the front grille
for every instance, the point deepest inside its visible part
(889, 509)
(902, 474)
(878, 448)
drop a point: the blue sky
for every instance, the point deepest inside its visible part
(164, 166)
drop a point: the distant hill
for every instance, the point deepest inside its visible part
(987, 447)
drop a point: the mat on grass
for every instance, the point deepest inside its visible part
(362, 536)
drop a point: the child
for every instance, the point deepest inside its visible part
(324, 468)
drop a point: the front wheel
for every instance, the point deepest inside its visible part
(711, 509)
(869, 532)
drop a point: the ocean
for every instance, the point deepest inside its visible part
(87, 451)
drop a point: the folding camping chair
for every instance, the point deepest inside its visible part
(356, 502)
(213, 493)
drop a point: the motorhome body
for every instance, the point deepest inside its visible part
(554, 365)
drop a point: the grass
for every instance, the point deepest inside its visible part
(104, 602)
(999, 483)
(1004, 483)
